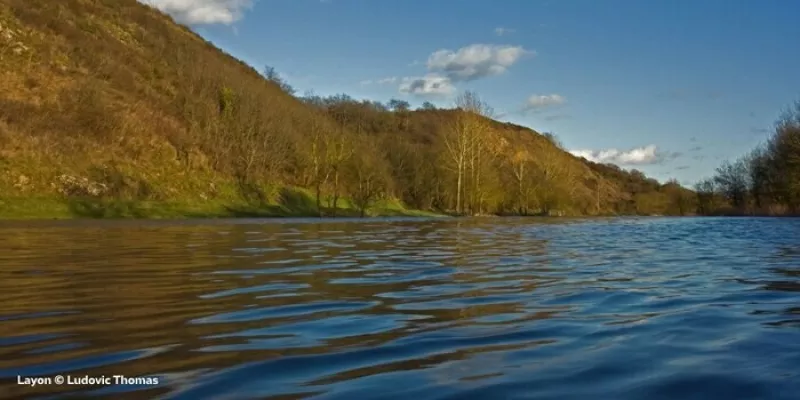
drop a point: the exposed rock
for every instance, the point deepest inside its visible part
(22, 182)
(73, 186)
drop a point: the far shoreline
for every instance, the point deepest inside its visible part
(72, 209)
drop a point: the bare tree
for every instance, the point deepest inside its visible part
(552, 138)
(272, 75)
(457, 145)
(731, 179)
(520, 168)
(318, 155)
(553, 176)
(339, 150)
(706, 193)
(465, 143)
(367, 175)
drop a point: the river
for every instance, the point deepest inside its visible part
(487, 308)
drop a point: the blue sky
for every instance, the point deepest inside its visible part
(668, 87)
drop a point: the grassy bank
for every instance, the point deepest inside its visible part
(293, 203)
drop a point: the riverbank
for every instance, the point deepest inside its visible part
(301, 205)
(295, 203)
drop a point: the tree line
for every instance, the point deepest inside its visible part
(459, 160)
(766, 181)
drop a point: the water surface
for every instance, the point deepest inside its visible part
(632, 308)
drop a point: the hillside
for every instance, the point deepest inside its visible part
(110, 109)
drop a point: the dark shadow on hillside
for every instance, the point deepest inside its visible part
(297, 202)
(253, 203)
(251, 193)
(290, 203)
(97, 208)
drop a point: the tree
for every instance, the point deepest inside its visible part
(368, 177)
(312, 99)
(732, 182)
(402, 108)
(770, 174)
(339, 150)
(520, 167)
(552, 138)
(760, 176)
(476, 114)
(398, 105)
(464, 143)
(553, 178)
(706, 192)
(457, 145)
(785, 149)
(679, 201)
(319, 160)
(272, 75)
(427, 106)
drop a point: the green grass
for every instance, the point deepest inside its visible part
(289, 202)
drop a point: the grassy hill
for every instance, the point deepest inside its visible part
(108, 108)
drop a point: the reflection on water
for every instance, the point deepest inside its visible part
(484, 308)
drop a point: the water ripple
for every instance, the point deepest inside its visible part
(627, 308)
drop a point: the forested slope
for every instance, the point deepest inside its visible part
(765, 181)
(109, 108)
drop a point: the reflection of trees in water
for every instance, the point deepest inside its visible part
(115, 289)
(132, 287)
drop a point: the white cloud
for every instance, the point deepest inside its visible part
(540, 101)
(637, 156)
(500, 31)
(474, 61)
(430, 85)
(448, 67)
(198, 12)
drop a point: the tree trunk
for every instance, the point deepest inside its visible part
(335, 192)
(458, 192)
(319, 199)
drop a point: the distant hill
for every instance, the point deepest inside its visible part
(111, 109)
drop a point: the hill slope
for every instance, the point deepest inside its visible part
(109, 108)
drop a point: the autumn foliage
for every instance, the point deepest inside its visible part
(117, 97)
